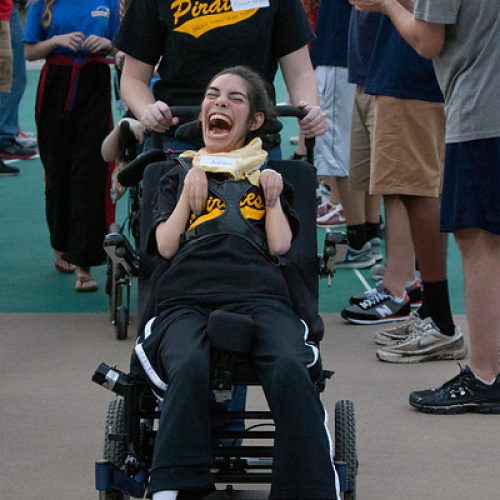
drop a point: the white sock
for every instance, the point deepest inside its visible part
(484, 381)
(165, 495)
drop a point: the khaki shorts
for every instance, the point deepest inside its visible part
(363, 117)
(408, 147)
(5, 57)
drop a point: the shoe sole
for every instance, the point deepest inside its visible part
(392, 319)
(355, 265)
(388, 341)
(10, 174)
(326, 226)
(17, 157)
(485, 408)
(408, 359)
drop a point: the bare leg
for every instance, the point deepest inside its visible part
(372, 208)
(481, 261)
(400, 256)
(354, 205)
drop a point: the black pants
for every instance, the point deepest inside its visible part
(302, 456)
(71, 129)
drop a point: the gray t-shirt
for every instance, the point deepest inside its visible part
(468, 68)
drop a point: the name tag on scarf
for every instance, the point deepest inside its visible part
(213, 161)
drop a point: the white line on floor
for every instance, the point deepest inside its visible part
(362, 279)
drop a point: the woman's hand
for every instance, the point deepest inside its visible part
(157, 117)
(272, 185)
(94, 44)
(73, 41)
(314, 123)
(196, 189)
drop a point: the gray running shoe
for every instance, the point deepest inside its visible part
(425, 344)
(401, 332)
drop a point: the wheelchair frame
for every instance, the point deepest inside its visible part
(131, 420)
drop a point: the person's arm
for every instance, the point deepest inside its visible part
(302, 87)
(426, 38)
(40, 50)
(110, 148)
(278, 231)
(135, 91)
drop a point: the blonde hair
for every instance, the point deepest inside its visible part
(47, 13)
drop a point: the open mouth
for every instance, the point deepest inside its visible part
(219, 124)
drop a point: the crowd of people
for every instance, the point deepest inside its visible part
(402, 98)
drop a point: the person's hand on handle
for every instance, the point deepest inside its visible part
(314, 123)
(157, 117)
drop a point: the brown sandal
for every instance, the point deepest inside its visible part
(85, 284)
(62, 265)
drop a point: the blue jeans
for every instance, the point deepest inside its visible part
(9, 101)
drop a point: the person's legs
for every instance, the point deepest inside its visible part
(282, 357)
(481, 262)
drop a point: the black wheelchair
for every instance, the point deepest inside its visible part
(131, 422)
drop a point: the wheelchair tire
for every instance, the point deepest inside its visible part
(121, 322)
(114, 450)
(345, 443)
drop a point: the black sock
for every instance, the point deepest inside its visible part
(357, 236)
(437, 304)
(372, 230)
(422, 311)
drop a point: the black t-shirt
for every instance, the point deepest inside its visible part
(198, 39)
(219, 268)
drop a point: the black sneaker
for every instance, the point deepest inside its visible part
(6, 170)
(13, 150)
(463, 393)
(378, 307)
(414, 291)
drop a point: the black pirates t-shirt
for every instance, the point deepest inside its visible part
(195, 39)
(221, 267)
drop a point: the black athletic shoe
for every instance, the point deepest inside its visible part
(6, 170)
(414, 291)
(13, 150)
(463, 393)
(378, 307)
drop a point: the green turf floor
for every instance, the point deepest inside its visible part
(29, 283)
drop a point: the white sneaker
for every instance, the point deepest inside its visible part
(26, 139)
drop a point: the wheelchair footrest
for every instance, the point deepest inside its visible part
(109, 477)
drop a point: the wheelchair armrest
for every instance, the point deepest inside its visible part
(121, 252)
(327, 259)
(132, 173)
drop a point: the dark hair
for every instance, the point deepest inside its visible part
(258, 96)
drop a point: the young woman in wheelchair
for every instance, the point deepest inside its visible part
(222, 217)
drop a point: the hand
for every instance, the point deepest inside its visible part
(157, 117)
(196, 189)
(272, 184)
(73, 41)
(370, 5)
(314, 123)
(95, 44)
(119, 59)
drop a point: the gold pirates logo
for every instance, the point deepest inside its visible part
(195, 17)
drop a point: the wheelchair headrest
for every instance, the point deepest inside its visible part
(191, 131)
(230, 332)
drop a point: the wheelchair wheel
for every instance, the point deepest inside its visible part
(345, 443)
(114, 450)
(121, 322)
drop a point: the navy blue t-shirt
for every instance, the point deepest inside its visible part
(396, 70)
(363, 29)
(329, 48)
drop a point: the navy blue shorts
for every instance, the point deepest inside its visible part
(471, 188)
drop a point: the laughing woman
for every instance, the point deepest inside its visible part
(221, 218)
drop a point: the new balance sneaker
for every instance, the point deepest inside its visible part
(356, 259)
(26, 139)
(6, 170)
(322, 193)
(463, 393)
(335, 217)
(401, 331)
(376, 244)
(425, 344)
(11, 149)
(379, 307)
(325, 207)
(413, 290)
